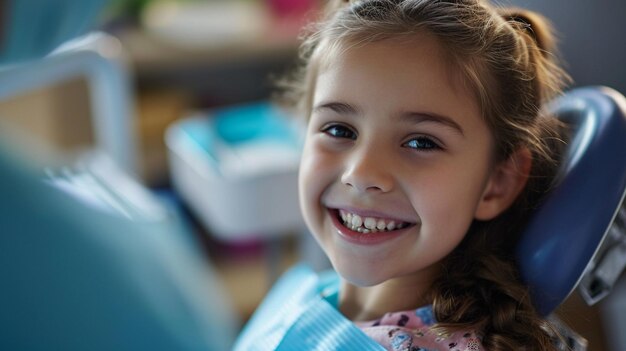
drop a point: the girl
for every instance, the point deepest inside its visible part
(426, 149)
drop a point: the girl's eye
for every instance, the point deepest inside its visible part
(422, 143)
(339, 131)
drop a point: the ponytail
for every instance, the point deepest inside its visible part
(531, 24)
(538, 39)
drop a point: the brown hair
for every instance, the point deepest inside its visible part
(506, 58)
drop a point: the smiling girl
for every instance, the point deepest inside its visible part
(426, 150)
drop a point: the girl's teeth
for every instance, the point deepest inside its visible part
(381, 225)
(361, 230)
(368, 224)
(356, 220)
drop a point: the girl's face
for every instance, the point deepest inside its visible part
(397, 161)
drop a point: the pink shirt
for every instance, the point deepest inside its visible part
(411, 331)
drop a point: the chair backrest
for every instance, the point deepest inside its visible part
(577, 236)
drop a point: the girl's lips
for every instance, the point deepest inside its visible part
(362, 238)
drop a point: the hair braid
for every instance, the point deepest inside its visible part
(475, 292)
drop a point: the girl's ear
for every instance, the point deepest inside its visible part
(506, 182)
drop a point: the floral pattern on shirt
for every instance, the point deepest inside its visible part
(412, 331)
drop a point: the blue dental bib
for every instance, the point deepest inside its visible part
(300, 313)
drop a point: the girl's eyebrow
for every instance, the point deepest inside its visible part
(418, 117)
(338, 107)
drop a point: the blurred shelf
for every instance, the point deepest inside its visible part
(152, 55)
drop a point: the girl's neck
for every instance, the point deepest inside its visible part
(398, 294)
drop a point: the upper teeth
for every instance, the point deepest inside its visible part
(369, 224)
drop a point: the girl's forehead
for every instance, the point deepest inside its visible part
(417, 54)
(420, 48)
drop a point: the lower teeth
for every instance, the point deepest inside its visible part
(366, 230)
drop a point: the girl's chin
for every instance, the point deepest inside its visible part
(360, 278)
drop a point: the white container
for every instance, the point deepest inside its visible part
(236, 169)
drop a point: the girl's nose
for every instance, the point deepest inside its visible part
(368, 171)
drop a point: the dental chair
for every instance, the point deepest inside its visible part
(577, 238)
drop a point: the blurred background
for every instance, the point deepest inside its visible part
(177, 93)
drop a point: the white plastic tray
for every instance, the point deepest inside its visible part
(236, 169)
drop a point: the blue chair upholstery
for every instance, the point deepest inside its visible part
(576, 234)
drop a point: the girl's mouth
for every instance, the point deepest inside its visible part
(368, 225)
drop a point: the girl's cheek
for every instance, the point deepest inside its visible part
(313, 153)
(309, 167)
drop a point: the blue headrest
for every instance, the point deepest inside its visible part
(566, 231)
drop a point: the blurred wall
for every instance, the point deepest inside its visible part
(592, 38)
